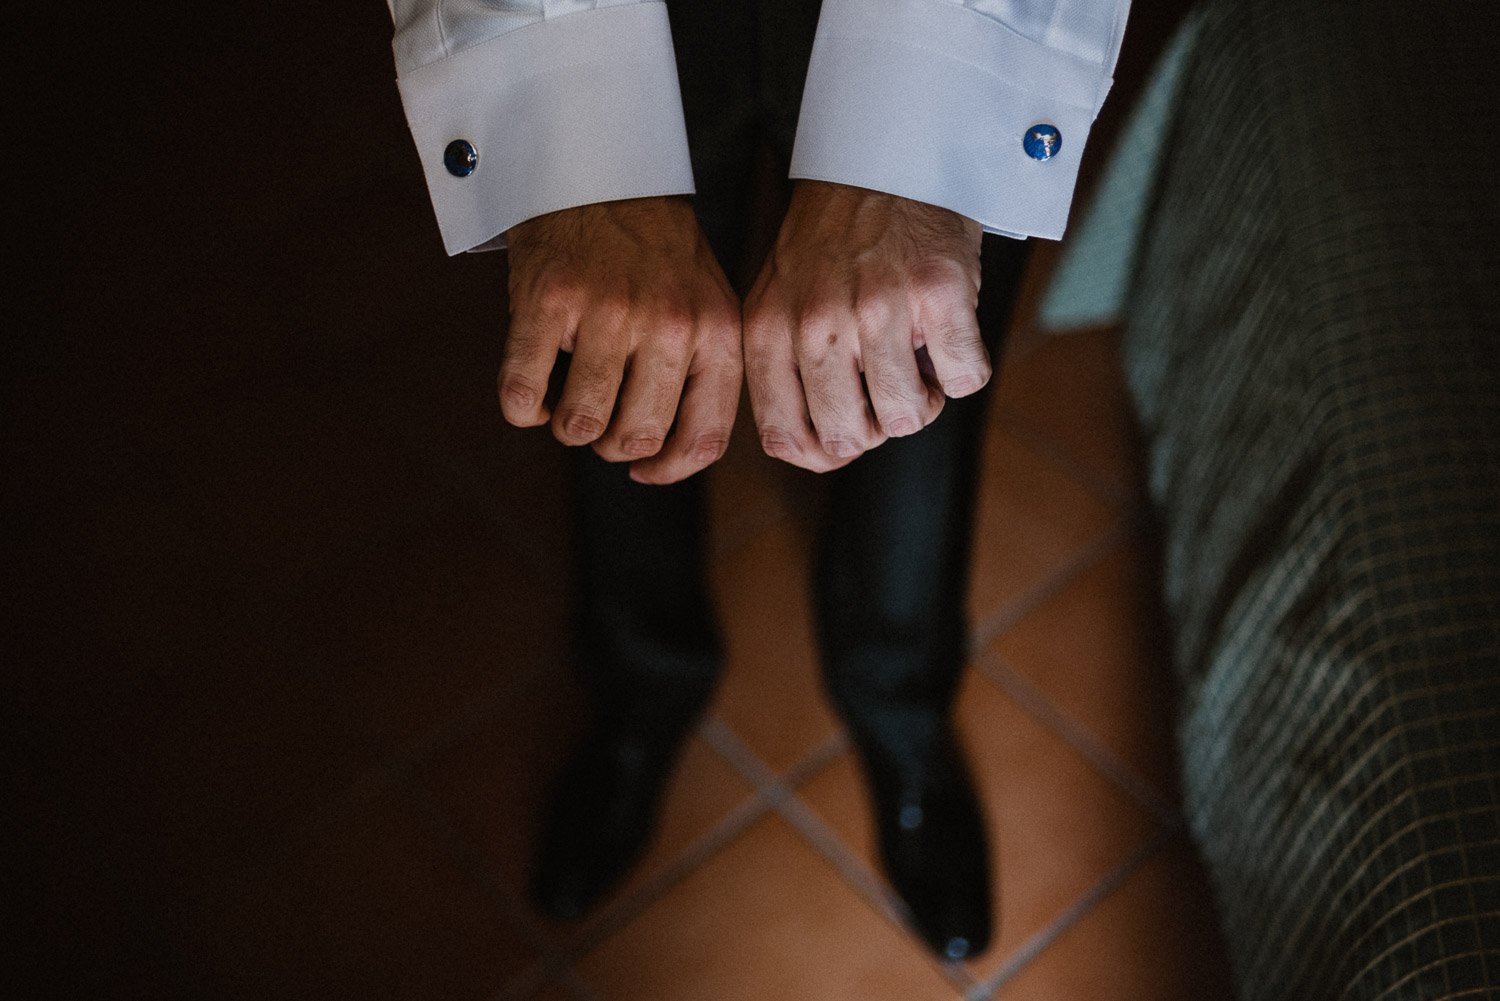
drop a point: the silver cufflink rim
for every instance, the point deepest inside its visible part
(1042, 141)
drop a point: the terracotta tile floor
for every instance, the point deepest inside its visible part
(448, 649)
(339, 743)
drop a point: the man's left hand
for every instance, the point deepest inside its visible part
(861, 322)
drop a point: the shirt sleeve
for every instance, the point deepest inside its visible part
(562, 103)
(935, 100)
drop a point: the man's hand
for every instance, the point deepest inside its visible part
(860, 323)
(632, 289)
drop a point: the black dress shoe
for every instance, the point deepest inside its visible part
(602, 817)
(933, 845)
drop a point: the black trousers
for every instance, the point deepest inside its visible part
(892, 563)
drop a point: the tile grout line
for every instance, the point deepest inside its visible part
(1079, 563)
(557, 962)
(819, 835)
(1036, 703)
(772, 792)
(1073, 913)
(801, 817)
(864, 880)
(718, 735)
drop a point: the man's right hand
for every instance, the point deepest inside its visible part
(632, 289)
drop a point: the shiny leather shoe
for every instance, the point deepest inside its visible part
(602, 818)
(933, 845)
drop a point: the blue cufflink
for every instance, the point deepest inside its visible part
(1042, 142)
(460, 158)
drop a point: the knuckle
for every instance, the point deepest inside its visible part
(820, 342)
(556, 290)
(970, 370)
(779, 443)
(900, 425)
(640, 438)
(722, 320)
(822, 318)
(675, 310)
(673, 332)
(842, 447)
(767, 312)
(761, 334)
(641, 444)
(519, 393)
(764, 312)
(612, 309)
(875, 313)
(709, 446)
(581, 426)
(964, 384)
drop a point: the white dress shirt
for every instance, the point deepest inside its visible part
(569, 102)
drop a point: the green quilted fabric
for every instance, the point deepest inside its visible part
(1314, 346)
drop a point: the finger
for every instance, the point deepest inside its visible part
(777, 401)
(705, 418)
(588, 396)
(536, 333)
(959, 357)
(649, 397)
(904, 403)
(836, 402)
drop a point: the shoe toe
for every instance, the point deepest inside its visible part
(937, 858)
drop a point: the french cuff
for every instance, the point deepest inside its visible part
(569, 111)
(932, 101)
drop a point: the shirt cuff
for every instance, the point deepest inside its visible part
(932, 101)
(568, 111)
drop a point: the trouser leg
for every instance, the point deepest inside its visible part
(892, 570)
(892, 576)
(647, 643)
(649, 654)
